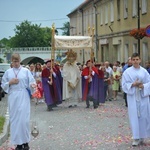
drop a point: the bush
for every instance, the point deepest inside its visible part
(2, 121)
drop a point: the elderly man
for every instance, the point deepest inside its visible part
(71, 80)
(110, 71)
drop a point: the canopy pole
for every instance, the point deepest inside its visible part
(92, 48)
(92, 51)
(52, 51)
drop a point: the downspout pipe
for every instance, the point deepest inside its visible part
(83, 35)
(96, 31)
(138, 11)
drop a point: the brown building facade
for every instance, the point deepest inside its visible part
(112, 20)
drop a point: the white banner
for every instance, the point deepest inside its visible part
(73, 42)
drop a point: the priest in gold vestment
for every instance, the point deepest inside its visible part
(71, 80)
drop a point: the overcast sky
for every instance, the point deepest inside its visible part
(44, 12)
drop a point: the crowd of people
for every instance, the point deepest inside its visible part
(72, 82)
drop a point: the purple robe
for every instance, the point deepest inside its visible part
(83, 87)
(58, 90)
(47, 88)
(97, 89)
(58, 85)
(52, 92)
(94, 87)
(101, 95)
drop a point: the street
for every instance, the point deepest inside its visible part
(79, 128)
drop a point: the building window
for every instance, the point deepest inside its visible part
(126, 52)
(101, 16)
(134, 47)
(118, 9)
(145, 51)
(134, 10)
(125, 9)
(118, 52)
(106, 52)
(106, 14)
(112, 10)
(102, 54)
(144, 6)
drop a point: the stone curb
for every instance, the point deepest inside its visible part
(4, 135)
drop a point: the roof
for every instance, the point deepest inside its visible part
(80, 7)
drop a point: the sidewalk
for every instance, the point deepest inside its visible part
(79, 128)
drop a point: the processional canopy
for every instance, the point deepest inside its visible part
(72, 42)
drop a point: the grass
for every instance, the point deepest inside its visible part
(2, 121)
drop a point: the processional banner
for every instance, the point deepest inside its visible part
(72, 42)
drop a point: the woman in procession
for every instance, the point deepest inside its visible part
(38, 72)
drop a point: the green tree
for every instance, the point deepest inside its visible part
(66, 28)
(1, 60)
(4, 42)
(30, 35)
(47, 35)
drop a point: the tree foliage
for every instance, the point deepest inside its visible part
(66, 28)
(4, 43)
(30, 35)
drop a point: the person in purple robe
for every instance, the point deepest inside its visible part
(58, 84)
(60, 81)
(51, 86)
(101, 97)
(89, 86)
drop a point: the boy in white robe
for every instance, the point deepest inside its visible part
(15, 82)
(136, 83)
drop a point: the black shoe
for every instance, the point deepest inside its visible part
(70, 106)
(26, 146)
(54, 105)
(87, 106)
(95, 107)
(49, 108)
(75, 105)
(19, 147)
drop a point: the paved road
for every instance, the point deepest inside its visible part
(79, 128)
